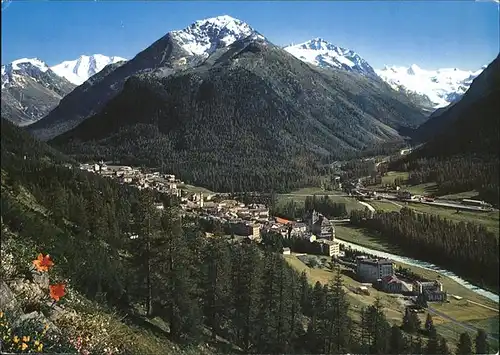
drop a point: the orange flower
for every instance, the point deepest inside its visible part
(57, 291)
(43, 263)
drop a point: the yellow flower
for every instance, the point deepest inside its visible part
(24, 346)
(37, 342)
(26, 338)
(1, 314)
(16, 339)
(40, 347)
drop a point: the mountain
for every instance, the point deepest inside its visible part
(320, 53)
(471, 124)
(30, 89)
(461, 149)
(80, 70)
(251, 116)
(177, 50)
(438, 87)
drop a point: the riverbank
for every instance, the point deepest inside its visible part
(369, 243)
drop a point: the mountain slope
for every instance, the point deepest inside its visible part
(440, 87)
(320, 53)
(176, 51)
(30, 90)
(80, 70)
(461, 152)
(482, 86)
(252, 116)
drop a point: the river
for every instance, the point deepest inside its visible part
(424, 265)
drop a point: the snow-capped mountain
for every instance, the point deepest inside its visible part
(441, 87)
(30, 90)
(79, 70)
(323, 54)
(203, 37)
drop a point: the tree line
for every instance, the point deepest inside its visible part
(465, 248)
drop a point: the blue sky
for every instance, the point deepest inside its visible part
(432, 34)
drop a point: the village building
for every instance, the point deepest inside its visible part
(329, 247)
(371, 270)
(431, 291)
(321, 226)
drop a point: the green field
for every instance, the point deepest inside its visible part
(195, 189)
(423, 189)
(489, 219)
(389, 178)
(364, 237)
(384, 206)
(300, 196)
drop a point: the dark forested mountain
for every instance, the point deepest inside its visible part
(250, 117)
(485, 85)
(30, 90)
(177, 50)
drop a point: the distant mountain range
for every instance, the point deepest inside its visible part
(320, 53)
(439, 87)
(30, 88)
(429, 90)
(80, 70)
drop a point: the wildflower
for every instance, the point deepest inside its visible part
(43, 263)
(16, 339)
(24, 346)
(37, 342)
(40, 347)
(26, 338)
(1, 314)
(57, 291)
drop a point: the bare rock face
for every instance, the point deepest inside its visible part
(8, 301)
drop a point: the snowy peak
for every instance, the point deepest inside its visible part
(441, 86)
(30, 67)
(21, 64)
(203, 37)
(323, 54)
(80, 70)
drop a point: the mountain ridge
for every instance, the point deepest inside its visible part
(247, 106)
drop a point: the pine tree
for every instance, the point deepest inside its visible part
(432, 346)
(464, 346)
(145, 222)
(443, 348)
(397, 344)
(482, 346)
(411, 323)
(246, 278)
(417, 345)
(337, 320)
(378, 328)
(176, 293)
(216, 284)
